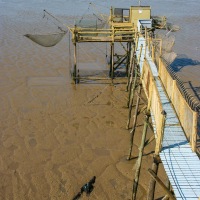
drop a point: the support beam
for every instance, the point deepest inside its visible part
(162, 185)
(160, 134)
(152, 183)
(134, 124)
(131, 98)
(132, 83)
(75, 63)
(139, 161)
(112, 61)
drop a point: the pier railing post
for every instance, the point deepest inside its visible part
(160, 134)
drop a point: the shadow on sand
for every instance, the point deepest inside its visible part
(182, 61)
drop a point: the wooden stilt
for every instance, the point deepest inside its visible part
(160, 134)
(112, 61)
(134, 123)
(156, 162)
(152, 183)
(128, 63)
(130, 70)
(140, 53)
(131, 98)
(166, 197)
(110, 72)
(75, 63)
(150, 139)
(131, 83)
(155, 177)
(139, 161)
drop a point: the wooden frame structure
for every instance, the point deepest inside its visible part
(119, 32)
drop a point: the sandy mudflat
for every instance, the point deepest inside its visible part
(56, 136)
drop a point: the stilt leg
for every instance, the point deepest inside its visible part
(134, 123)
(75, 64)
(152, 183)
(139, 161)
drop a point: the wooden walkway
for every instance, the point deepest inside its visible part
(180, 163)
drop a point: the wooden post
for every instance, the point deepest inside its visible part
(159, 61)
(140, 53)
(128, 63)
(131, 97)
(130, 81)
(173, 88)
(160, 134)
(152, 183)
(130, 71)
(134, 123)
(154, 176)
(139, 161)
(111, 73)
(75, 54)
(75, 63)
(145, 42)
(136, 42)
(153, 53)
(193, 139)
(112, 61)
(166, 197)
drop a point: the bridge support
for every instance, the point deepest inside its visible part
(152, 183)
(134, 122)
(75, 64)
(139, 161)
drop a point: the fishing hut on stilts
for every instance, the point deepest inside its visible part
(121, 30)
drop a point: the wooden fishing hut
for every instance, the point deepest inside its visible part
(123, 28)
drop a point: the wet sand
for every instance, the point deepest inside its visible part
(53, 137)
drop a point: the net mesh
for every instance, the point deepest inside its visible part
(168, 42)
(47, 40)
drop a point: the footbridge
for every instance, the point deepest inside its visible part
(174, 122)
